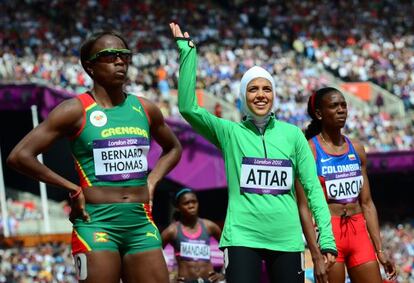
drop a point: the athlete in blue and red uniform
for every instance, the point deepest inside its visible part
(341, 168)
(190, 237)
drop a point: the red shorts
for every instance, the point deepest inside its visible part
(352, 240)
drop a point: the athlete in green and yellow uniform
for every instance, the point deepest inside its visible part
(110, 150)
(114, 236)
(263, 156)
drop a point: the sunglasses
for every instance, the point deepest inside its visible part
(109, 55)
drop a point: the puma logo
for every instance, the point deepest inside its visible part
(138, 110)
(154, 235)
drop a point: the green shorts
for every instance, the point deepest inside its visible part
(124, 227)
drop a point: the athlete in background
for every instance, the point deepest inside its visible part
(190, 237)
(341, 166)
(263, 156)
(109, 130)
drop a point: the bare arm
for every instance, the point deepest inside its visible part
(169, 234)
(370, 213)
(309, 232)
(306, 216)
(367, 205)
(171, 147)
(307, 176)
(213, 229)
(64, 120)
(306, 220)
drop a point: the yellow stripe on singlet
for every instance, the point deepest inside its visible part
(83, 173)
(90, 106)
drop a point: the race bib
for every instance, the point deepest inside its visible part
(266, 176)
(195, 251)
(120, 159)
(344, 187)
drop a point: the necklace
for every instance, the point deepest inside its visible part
(330, 146)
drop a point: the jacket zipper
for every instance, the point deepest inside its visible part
(264, 144)
(262, 135)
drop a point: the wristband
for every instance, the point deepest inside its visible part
(182, 38)
(331, 251)
(76, 194)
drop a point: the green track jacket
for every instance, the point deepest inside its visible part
(261, 168)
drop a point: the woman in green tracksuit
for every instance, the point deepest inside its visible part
(263, 156)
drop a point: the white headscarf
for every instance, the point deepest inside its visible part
(251, 74)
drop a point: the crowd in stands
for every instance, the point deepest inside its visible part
(24, 215)
(296, 79)
(40, 44)
(45, 263)
(399, 241)
(377, 47)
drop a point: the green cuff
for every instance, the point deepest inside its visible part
(184, 43)
(331, 251)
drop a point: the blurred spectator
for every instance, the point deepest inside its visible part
(379, 102)
(399, 241)
(163, 82)
(218, 110)
(51, 262)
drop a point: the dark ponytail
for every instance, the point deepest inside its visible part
(314, 102)
(313, 129)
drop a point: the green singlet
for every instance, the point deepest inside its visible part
(261, 168)
(112, 145)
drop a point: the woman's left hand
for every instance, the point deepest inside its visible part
(319, 269)
(215, 277)
(389, 267)
(78, 209)
(330, 260)
(151, 191)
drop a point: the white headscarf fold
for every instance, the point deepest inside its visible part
(251, 74)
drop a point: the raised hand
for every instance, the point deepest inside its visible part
(176, 31)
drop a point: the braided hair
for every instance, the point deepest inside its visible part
(314, 102)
